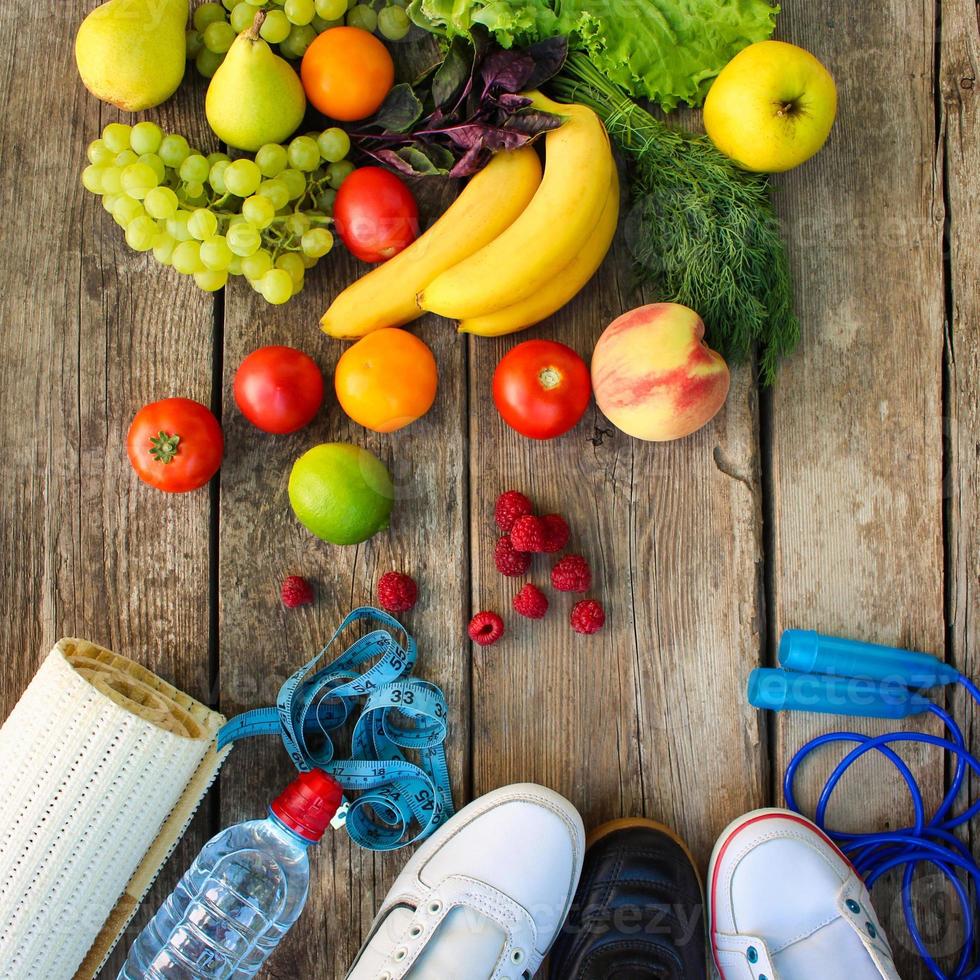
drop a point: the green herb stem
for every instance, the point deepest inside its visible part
(702, 231)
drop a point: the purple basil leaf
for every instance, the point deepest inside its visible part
(393, 161)
(399, 112)
(419, 159)
(474, 159)
(548, 56)
(533, 121)
(512, 101)
(508, 71)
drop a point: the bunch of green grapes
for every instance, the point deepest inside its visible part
(266, 218)
(290, 25)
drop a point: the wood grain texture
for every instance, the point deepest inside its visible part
(618, 721)
(856, 419)
(91, 331)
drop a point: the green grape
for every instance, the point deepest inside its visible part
(194, 169)
(330, 9)
(98, 153)
(163, 248)
(202, 224)
(208, 62)
(309, 261)
(362, 16)
(338, 172)
(92, 178)
(393, 23)
(243, 239)
(304, 154)
(141, 233)
(297, 224)
(216, 178)
(295, 182)
(230, 4)
(235, 266)
(193, 42)
(317, 242)
(293, 264)
(258, 210)
(276, 286)
(242, 17)
(276, 191)
(111, 180)
(161, 202)
(300, 38)
(177, 226)
(116, 136)
(299, 12)
(109, 202)
(275, 27)
(256, 3)
(271, 159)
(242, 177)
(325, 199)
(334, 144)
(256, 265)
(187, 258)
(155, 164)
(207, 13)
(125, 158)
(217, 155)
(137, 179)
(127, 209)
(146, 137)
(194, 192)
(211, 280)
(219, 36)
(215, 253)
(173, 150)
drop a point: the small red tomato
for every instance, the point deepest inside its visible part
(375, 214)
(278, 389)
(175, 444)
(541, 388)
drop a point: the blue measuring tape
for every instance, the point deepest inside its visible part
(398, 712)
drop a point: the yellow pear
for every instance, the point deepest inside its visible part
(132, 53)
(255, 96)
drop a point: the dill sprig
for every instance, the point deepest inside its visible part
(701, 231)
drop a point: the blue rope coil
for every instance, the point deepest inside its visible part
(931, 840)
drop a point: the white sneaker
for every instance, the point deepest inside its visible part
(485, 896)
(785, 904)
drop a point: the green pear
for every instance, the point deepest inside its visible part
(132, 53)
(255, 96)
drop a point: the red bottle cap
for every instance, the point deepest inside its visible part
(308, 804)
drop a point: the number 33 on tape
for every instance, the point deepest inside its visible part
(399, 801)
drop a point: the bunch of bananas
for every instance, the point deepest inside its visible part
(513, 248)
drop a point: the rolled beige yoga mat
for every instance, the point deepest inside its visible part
(102, 765)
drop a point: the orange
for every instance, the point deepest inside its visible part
(386, 380)
(347, 73)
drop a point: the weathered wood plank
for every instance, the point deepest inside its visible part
(857, 413)
(619, 721)
(261, 543)
(92, 330)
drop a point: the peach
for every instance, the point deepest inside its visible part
(653, 375)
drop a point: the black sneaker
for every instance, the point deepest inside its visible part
(638, 913)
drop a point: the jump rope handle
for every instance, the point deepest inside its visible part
(787, 690)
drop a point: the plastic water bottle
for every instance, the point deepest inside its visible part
(242, 893)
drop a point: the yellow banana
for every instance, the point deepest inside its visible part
(547, 236)
(386, 296)
(556, 293)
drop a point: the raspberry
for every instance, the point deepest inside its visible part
(531, 602)
(528, 534)
(296, 591)
(397, 592)
(555, 532)
(509, 507)
(486, 628)
(571, 574)
(587, 616)
(508, 560)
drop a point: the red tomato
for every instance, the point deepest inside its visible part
(278, 389)
(175, 444)
(541, 388)
(375, 214)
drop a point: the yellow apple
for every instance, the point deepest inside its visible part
(771, 107)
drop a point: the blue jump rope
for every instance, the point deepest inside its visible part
(845, 677)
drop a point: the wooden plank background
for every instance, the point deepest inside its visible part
(844, 500)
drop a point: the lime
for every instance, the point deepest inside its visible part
(341, 493)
